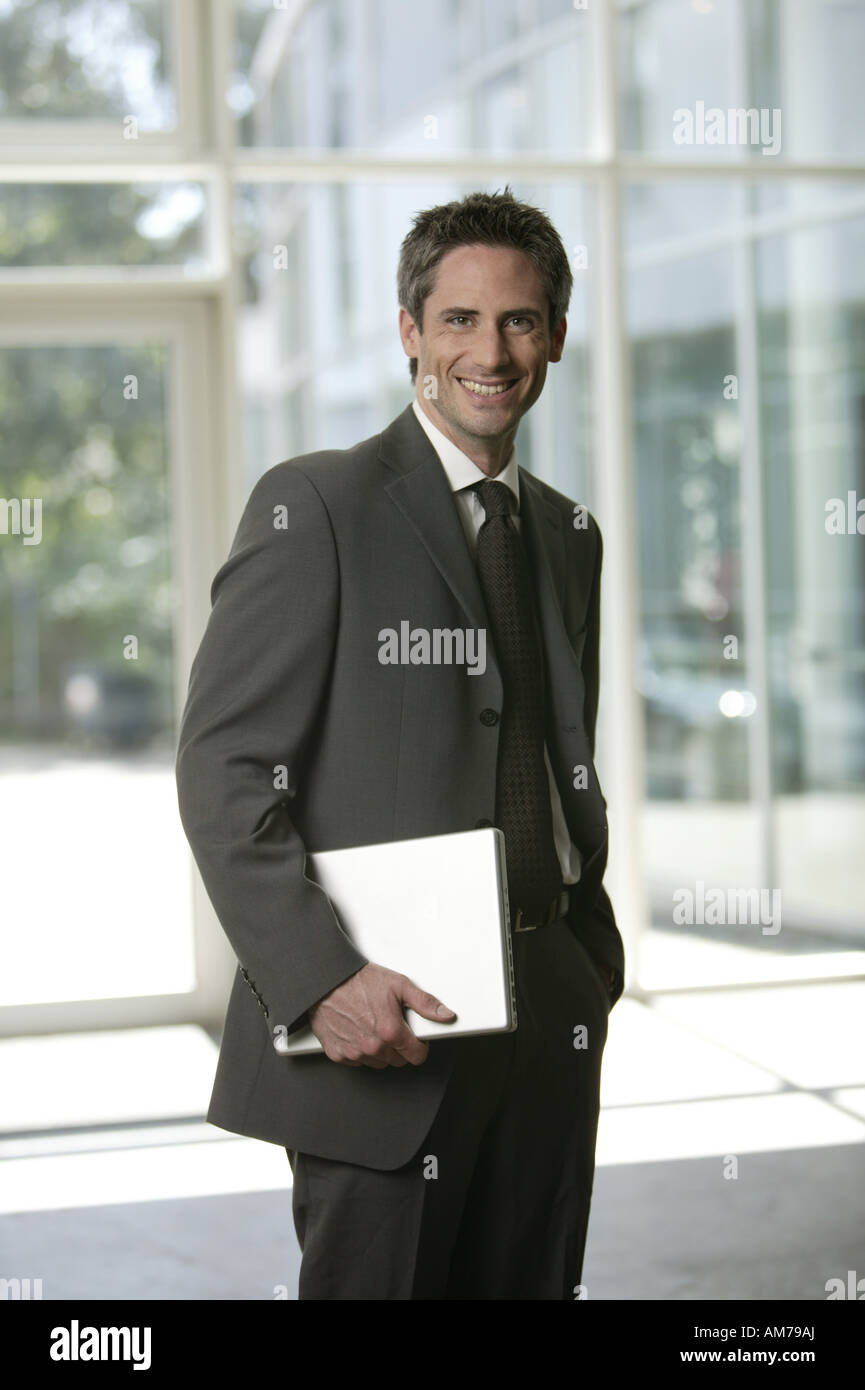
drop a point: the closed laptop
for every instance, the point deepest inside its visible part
(434, 909)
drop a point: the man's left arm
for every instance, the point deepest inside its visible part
(599, 932)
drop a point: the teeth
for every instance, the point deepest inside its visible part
(481, 390)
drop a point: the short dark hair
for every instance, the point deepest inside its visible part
(481, 219)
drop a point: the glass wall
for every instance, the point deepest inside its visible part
(810, 285)
(695, 670)
(746, 660)
(704, 162)
(796, 63)
(449, 76)
(81, 62)
(98, 905)
(320, 360)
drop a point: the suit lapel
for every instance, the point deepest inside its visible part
(419, 487)
(566, 736)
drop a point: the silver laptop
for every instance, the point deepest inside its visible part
(436, 910)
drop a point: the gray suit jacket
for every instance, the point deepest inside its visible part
(296, 738)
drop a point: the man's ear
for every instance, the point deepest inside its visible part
(558, 340)
(409, 333)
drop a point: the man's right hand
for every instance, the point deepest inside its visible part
(360, 1023)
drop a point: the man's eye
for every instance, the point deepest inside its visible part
(515, 318)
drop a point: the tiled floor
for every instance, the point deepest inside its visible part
(730, 1159)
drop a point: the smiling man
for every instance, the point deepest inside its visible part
(462, 1168)
(485, 346)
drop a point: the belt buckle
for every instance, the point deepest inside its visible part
(554, 909)
(517, 926)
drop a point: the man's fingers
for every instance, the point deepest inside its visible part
(383, 1038)
(388, 1058)
(377, 1062)
(427, 1005)
(393, 1044)
(417, 1054)
(401, 1041)
(393, 1058)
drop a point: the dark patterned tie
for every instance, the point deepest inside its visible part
(523, 810)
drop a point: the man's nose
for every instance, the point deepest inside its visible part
(490, 351)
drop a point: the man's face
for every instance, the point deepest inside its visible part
(485, 325)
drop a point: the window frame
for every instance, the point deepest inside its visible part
(204, 147)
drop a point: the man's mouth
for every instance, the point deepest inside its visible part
(486, 390)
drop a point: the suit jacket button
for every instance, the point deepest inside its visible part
(489, 716)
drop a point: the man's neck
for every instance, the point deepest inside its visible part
(490, 455)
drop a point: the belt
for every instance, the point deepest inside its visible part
(530, 921)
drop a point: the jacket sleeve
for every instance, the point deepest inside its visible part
(591, 649)
(255, 686)
(599, 931)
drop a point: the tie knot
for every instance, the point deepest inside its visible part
(496, 498)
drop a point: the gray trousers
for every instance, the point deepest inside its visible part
(495, 1202)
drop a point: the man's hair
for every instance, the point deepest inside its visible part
(481, 219)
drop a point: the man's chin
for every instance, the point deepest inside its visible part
(484, 422)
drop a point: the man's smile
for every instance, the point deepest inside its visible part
(487, 390)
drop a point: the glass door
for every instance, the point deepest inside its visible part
(107, 546)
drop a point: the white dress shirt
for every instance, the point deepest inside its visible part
(462, 474)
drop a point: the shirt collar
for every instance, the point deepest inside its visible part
(461, 471)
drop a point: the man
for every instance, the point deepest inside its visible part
(463, 1168)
